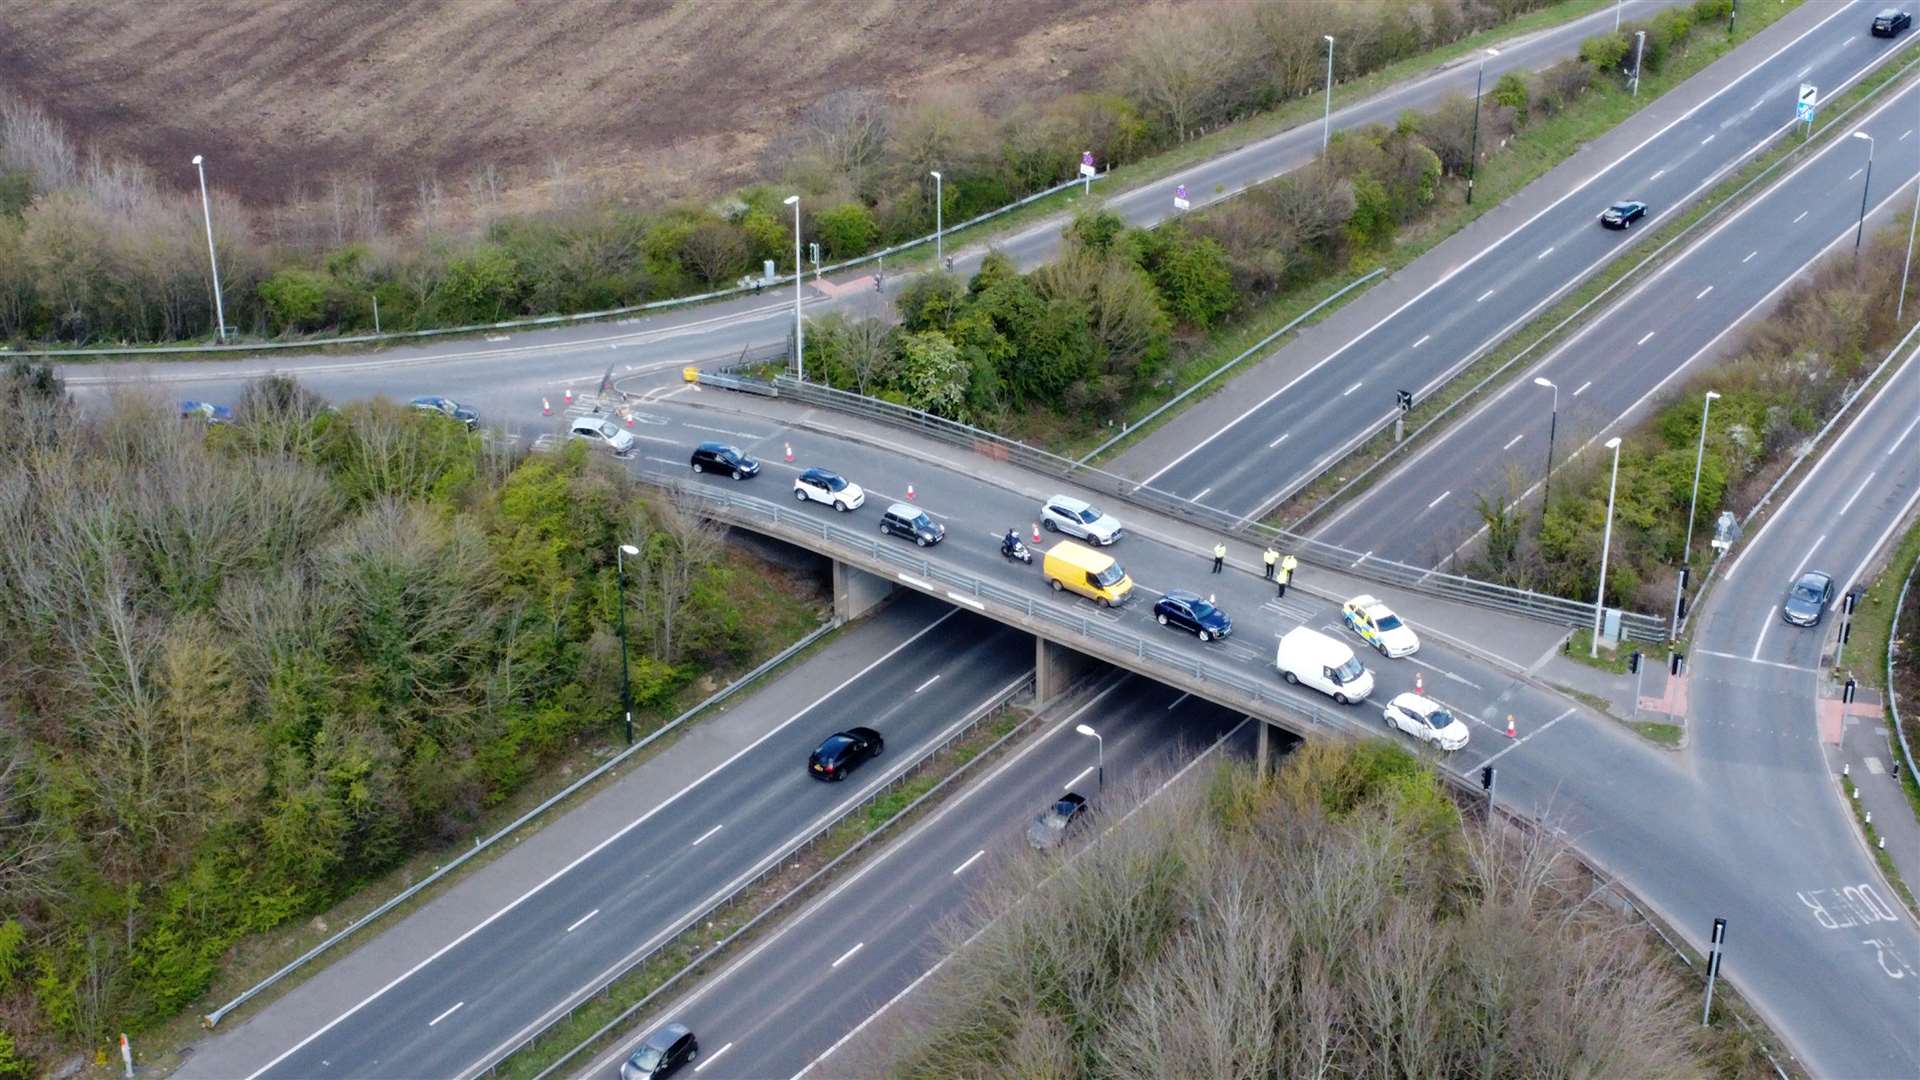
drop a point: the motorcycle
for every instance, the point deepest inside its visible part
(1017, 551)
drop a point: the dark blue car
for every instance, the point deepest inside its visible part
(449, 408)
(1194, 614)
(207, 411)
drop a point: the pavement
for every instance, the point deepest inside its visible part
(1869, 757)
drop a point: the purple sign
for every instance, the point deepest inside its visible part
(1086, 158)
(1180, 192)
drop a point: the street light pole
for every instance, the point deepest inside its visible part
(799, 331)
(1553, 425)
(1473, 148)
(1865, 185)
(1693, 502)
(626, 687)
(1326, 122)
(1606, 546)
(1639, 50)
(1900, 305)
(1616, 15)
(938, 251)
(1099, 752)
(206, 212)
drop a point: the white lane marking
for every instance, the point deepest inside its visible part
(848, 955)
(724, 431)
(591, 852)
(444, 1015)
(971, 859)
(1709, 138)
(1354, 387)
(1543, 254)
(715, 1056)
(707, 834)
(1278, 441)
(1904, 134)
(1646, 339)
(926, 684)
(1704, 292)
(1202, 495)
(1522, 740)
(1803, 213)
(1757, 102)
(1880, 542)
(1422, 341)
(1767, 620)
(1751, 660)
(1445, 674)
(1902, 440)
(1850, 176)
(1749, 257)
(1589, 382)
(1441, 499)
(1484, 295)
(1803, 72)
(967, 600)
(1177, 701)
(1848, 505)
(582, 919)
(1513, 440)
(1082, 776)
(1656, 176)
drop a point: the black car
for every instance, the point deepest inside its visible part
(1808, 598)
(661, 1054)
(1049, 830)
(721, 458)
(906, 519)
(1622, 215)
(1192, 613)
(843, 751)
(449, 408)
(1891, 21)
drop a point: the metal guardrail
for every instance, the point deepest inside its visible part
(1893, 638)
(1553, 609)
(560, 320)
(727, 691)
(692, 925)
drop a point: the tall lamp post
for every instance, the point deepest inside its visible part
(1553, 425)
(799, 332)
(626, 687)
(1693, 501)
(1473, 147)
(1606, 545)
(1099, 754)
(1639, 50)
(939, 252)
(1616, 15)
(1326, 122)
(1865, 185)
(206, 212)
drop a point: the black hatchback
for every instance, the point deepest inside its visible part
(724, 459)
(1193, 613)
(1622, 215)
(843, 751)
(661, 1054)
(1891, 21)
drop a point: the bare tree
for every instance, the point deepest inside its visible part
(684, 546)
(847, 130)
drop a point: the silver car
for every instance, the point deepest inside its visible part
(1077, 517)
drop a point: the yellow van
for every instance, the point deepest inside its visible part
(1083, 570)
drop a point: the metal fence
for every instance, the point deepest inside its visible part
(725, 692)
(691, 925)
(1893, 639)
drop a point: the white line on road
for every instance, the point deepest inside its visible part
(1749, 257)
(1848, 505)
(1543, 254)
(1904, 134)
(715, 1056)
(1751, 660)
(1873, 549)
(926, 684)
(1448, 674)
(724, 431)
(1902, 440)
(1441, 499)
(1850, 176)
(1202, 495)
(1803, 72)
(971, 859)
(1082, 776)
(1521, 741)
(1704, 292)
(1589, 382)
(1757, 102)
(444, 1015)
(1278, 441)
(707, 834)
(1766, 622)
(1177, 701)
(1709, 138)
(848, 955)
(1422, 341)
(1513, 440)
(1354, 387)
(577, 923)
(1484, 295)
(1656, 176)
(1646, 339)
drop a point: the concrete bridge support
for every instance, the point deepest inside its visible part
(1055, 668)
(856, 592)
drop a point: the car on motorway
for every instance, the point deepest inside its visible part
(1807, 599)
(206, 411)
(843, 751)
(1077, 517)
(908, 520)
(832, 489)
(448, 408)
(601, 432)
(724, 459)
(1622, 215)
(1049, 830)
(1193, 613)
(1890, 21)
(1379, 627)
(1425, 719)
(661, 1053)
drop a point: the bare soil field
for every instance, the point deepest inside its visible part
(651, 99)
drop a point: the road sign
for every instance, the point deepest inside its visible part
(1086, 165)
(1809, 97)
(1180, 198)
(1725, 531)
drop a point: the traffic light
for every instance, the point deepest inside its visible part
(1486, 778)
(1633, 662)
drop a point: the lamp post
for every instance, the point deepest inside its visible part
(1326, 122)
(1865, 185)
(1693, 501)
(206, 212)
(1099, 754)
(1473, 148)
(799, 332)
(938, 251)
(1639, 50)
(1553, 425)
(626, 687)
(1616, 15)
(1900, 305)
(1606, 544)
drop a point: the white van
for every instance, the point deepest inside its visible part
(1324, 663)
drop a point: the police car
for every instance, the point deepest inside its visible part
(1379, 627)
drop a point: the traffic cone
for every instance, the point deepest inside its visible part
(569, 395)
(1510, 729)
(789, 453)
(1419, 684)
(546, 407)
(1036, 532)
(909, 492)
(629, 420)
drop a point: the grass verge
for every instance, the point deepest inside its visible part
(1668, 735)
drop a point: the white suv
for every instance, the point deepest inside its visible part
(1066, 514)
(603, 433)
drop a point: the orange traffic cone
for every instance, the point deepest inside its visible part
(569, 395)
(789, 453)
(546, 407)
(1036, 532)
(1510, 729)
(1419, 684)
(909, 492)
(629, 420)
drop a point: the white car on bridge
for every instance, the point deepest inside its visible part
(1427, 720)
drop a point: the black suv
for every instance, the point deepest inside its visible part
(1622, 215)
(842, 751)
(661, 1054)
(1193, 613)
(1890, 22)
(721, 458)
(905, 519)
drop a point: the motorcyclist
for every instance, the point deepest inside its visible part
(1010, 543)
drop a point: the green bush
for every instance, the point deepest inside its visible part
(1604, 53)
(295, 300)
(1510, 90)
(845, 230)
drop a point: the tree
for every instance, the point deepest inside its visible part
(929, 301)
(932, 374)
(716, 251)
(847, 130)
(295, 299)
(846, 230)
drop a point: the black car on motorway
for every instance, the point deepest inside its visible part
(1193, 613)
(1622, 215)
(908, 520)
(843, 751)
(661, 1054)
(1049, 830)
(1890, 21)
(1807, 599)
(724, 459)
(448, 408)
